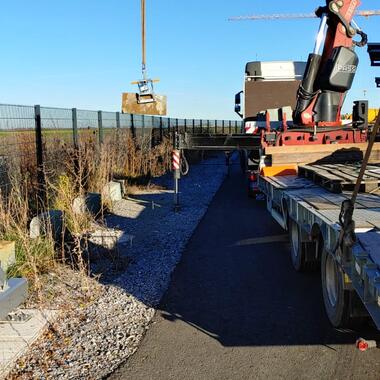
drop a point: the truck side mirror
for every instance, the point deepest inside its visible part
(238, 103)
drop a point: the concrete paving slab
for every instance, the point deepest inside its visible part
(17, 337)
(14, 294)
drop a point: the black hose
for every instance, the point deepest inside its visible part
(185, 167)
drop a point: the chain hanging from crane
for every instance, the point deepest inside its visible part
(145, 101)
(145, 85)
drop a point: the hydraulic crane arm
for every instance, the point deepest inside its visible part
(331, 68)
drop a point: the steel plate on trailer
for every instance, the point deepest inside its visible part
(130, 105)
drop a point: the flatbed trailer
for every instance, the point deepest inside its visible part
(311, 215)
(307, 204)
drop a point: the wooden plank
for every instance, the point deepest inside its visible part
(321, 203)
(322, 177)
(373, 171)
(333, 153)
(353, 171)
(324, 157)
(361, 201)
(318, 148)
(291, 181)
(368, 201)
(320, 171)
(338, 177)
(337, 172)
(272, 181)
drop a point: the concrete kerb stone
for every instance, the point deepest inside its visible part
(13, 295)
(123, 184)
(17, 337)
(13, 292)
(48, 221)
(113, 191)
(110, 239)
(7, 254)
(89, 203)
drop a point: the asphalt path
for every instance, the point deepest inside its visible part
(235, 308)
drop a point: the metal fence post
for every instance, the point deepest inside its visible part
(100, 127)
(201, 124)
(75, 128)
(193, 126)
(176, 125)
(229, 127)
(117, 126)
(223, 126)
(76, 148)
(133, 130)
(216, 126)
(161, 130)
(185, 121)
(236, 127)
(39, 153)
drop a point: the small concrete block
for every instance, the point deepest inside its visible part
(123, 184)
(41, 225)
(17, 337)
(113, 191)
(110, 238)
(13, 295)
(7, 254)
(79, 205)
(90, 203)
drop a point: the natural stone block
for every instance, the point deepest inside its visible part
(110, 238)
(48, 221)
(89, 203)
(113, 191)
(123, 183)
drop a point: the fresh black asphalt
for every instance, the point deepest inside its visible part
(235, 308)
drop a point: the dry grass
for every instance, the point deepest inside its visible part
(34, 257)
(69, 172)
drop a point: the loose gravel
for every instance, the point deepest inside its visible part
(92, 340)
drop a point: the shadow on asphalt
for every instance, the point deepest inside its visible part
(236, 284)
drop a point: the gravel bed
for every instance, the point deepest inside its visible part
(92, 340)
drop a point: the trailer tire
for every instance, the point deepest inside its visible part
(302, 259)
(335, 297)
(296, 252)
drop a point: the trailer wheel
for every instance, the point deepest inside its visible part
(302, 254)
(336, 299)
(296, 251)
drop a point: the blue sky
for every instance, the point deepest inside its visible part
(85, 53)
